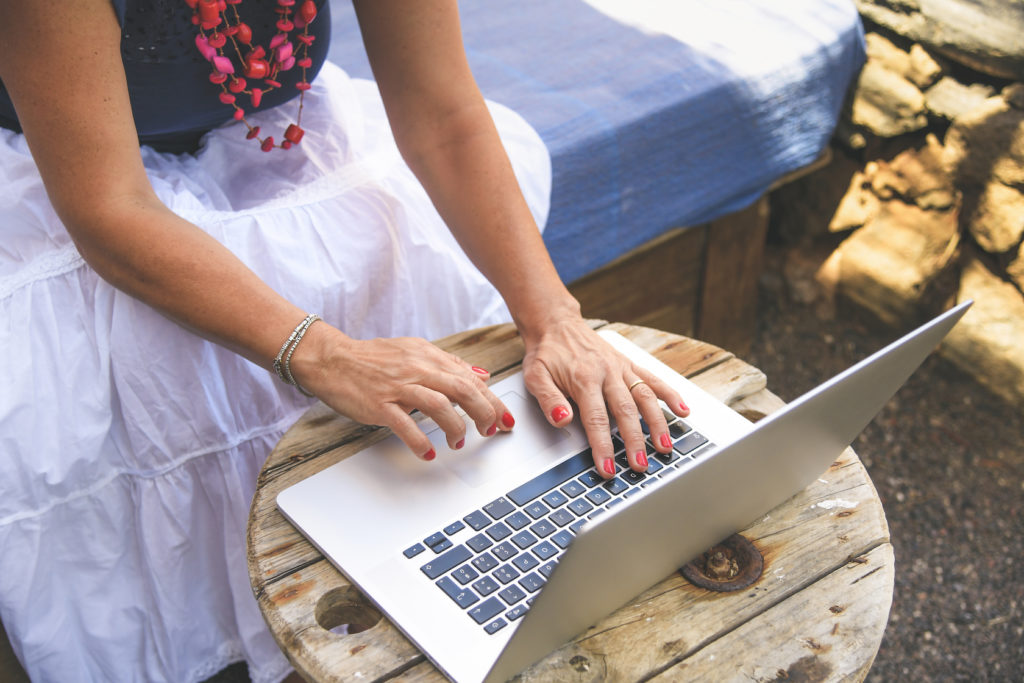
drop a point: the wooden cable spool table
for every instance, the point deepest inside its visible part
(817, 612)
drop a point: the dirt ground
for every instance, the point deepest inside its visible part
(947, 458)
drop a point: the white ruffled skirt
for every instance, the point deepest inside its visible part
(129, 448)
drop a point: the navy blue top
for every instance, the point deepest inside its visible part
(173, 101)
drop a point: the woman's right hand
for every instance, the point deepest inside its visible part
(380, 381)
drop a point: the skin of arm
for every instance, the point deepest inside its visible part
(447, 137)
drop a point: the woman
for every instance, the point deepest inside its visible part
(131, 444)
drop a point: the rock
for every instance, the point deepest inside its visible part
(883, 51)
(997, 220)
(917, 176)
(900, 266)
(924, 70)
(982, 34)
(949, 98)
(1016, 268)
(986, 342)
(984, 148)
(886, 103)
(1014, 95)
(858, 205)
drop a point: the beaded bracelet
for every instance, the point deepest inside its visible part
(284, 371)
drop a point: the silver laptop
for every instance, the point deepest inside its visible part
(491, 557)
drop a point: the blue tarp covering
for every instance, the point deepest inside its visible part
(647, 131)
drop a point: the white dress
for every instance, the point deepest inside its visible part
(129, 448)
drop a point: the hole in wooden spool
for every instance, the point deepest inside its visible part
(345, 610)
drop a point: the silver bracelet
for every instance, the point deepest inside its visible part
(284, 371)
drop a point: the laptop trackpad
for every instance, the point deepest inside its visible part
(483, 458)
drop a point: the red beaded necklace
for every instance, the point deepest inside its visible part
(255, 63)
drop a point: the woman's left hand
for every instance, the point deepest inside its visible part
(569, 360)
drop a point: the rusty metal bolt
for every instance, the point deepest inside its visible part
(731, 565)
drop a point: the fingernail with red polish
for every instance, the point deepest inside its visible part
(609, 466)
(508, 420)
(641, 459)
(429, 455)
(480, 371)
(665, 441)
(493, 428)
(460, 444)
(559, 413)
(682, 406)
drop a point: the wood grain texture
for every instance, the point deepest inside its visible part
(672, 631)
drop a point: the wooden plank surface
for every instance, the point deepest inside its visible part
(674, 630)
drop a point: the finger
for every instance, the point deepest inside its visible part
(552, 401)
(406, 429)
(647, 403)
(627, 417)
(594, 418)
(665, 392)
(481, 405)
(438, 408)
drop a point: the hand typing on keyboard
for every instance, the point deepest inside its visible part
(571, 361)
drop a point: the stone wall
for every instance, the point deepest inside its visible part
(923, 202)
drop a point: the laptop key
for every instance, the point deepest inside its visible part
(454, 527)
(633, 477)
(524, 539)
(498, 508)
(537, 509)
(690, 442)
(595, 513)
(505, 550)
(512, 594)
(678, 430)
(554, 499)
(664, 458)
(598, 496)
(563, 538)
(580, 506)
(485, 586)
(551, 478)
(561, 517)
(487, 610)
(622, 461)
(547, 568)
(464, 574)
(413, 550)
(573, 489)
(499, 531)
(516, 612)
(463, 597)
(477, 520)
(545, 551)
(532, 582)
(434, 539)
(479, 543)
(485, 563)
(615, 486)
(517, 520)
(590, 479)
(576, 526)
(526, 562)
(543, 528)
(654, 466)
(617, 501)
(505, 573)
(444, 563)
(495, 626)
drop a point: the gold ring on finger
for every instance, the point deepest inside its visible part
(634, 384)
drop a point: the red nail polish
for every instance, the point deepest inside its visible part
(508, 420)
(429, 455)
(641, 459)
(480, 371)
(493, 428)
(460, 444)
(609, 466)
(665, 441)
(682, 406)
(559, 413)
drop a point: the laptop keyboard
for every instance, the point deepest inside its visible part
(495, 574)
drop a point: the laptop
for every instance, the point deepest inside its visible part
(490, 557)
